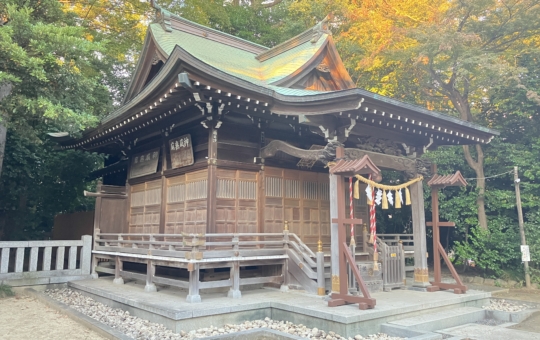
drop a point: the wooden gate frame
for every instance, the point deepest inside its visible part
(348, 168)
(438, 182)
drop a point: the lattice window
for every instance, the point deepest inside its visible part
(197, 190)
(247, 190)
(274, 187)
(324, 191)
(310, 190)
(226, 188)
(176, 193)
(137, 199)
(153, 196)
(292, 188)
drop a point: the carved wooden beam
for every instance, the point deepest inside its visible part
(410, 166)
(324, 155)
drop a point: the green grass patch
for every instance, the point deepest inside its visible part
(6, 291)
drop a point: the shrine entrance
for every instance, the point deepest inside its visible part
(347, 262)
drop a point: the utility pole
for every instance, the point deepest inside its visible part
(521, 230)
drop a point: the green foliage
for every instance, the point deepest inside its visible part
(54, 70)
(40, 182)
(6, 291)
(492, 250)
(56, 75)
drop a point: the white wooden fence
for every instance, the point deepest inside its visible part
(24, 263)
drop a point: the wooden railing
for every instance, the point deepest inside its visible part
(393, 265)
(194, 252)
(44, 262)
(407, 242)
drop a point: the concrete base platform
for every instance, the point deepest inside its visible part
(168, 306)
(475, 331)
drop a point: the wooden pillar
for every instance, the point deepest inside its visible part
(321, 284)
(285, 268)
(436, 234)
(335, 181)
(212, 181)
(234, 292)
(193, 294)
(163, 211)
(150, 272)
(261, 192)
(97, 219)
(421, 278)
(118, 267)
(95, 260)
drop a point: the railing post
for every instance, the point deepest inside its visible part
(118, 267)
(402, 253)
(364, 238)
(151, 239)
(33, 259)
(321, 284)
(193, 294)
(352, 280)
(59, 258)
(94, 258)
(86, 254)
(19, 260)
(72, 259)
(4, 264)
(234, 292)
(150, 287)
(285, 269)
(47, 255)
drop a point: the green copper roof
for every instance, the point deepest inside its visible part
(237, 62)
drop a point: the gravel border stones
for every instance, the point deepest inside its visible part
(507, 306)
(140, 329)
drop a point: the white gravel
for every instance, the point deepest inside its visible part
(506, 306)
(144, 330)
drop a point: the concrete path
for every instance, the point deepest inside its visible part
(478, 332)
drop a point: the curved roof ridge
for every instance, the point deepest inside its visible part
(181, 24)
(313, 34)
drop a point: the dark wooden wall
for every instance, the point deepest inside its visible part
(248, 197)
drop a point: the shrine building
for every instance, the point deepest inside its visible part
(221, 136)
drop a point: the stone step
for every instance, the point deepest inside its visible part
(440, 320)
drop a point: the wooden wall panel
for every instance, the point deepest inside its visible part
(302, 199)
(236, 205)
(186, 203)
(145, 207)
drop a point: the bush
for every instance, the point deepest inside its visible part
(492, 250)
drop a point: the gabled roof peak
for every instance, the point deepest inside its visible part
(313, 34)
(170, 21)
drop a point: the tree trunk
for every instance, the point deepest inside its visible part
(461, 103)
(478, 167)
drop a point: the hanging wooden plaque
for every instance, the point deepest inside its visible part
(181, 151)
(144, 163)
